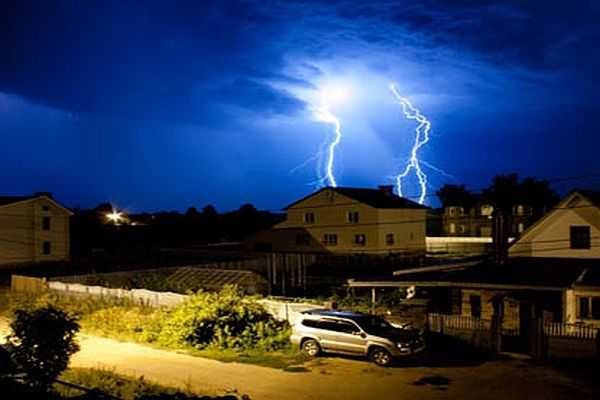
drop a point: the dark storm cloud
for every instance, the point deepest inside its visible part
(179, 61)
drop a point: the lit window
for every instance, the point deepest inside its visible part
(47, 248)
(330, 239)
(486, 210)
(360, 239)
(588, 307)
(452, 228)
(520, 227)
(389, 239)
(46, 223)
(309, 218)
(580, 237)
(353, 217)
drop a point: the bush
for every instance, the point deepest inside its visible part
(225, 320)
(42, 342)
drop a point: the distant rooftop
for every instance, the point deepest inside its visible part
(382, 197)
(4, 200)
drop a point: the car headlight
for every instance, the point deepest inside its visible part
(402, 345)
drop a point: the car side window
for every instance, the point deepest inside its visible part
(311, 323)
(347, 327)
(337, 326)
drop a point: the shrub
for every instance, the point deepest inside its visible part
(225, 320)
(43, 340)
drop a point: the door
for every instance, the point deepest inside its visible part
(350, 338)
(327, 334)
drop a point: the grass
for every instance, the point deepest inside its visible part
(128, 322)
(109, 382)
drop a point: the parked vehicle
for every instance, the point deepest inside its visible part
(353, 333)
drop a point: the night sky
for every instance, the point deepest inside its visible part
(165, 105)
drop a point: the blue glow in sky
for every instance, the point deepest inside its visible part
(165, 105)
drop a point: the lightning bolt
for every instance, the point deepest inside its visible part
(323, 114)
(421, 138)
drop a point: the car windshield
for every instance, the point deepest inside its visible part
(373, 324)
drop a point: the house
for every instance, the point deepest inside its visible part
(553, 271)
(570, 230)
(348, 220)
(475, 218)
(33, 229)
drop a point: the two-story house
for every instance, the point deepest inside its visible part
(33, 229)
(348, 220)
(476, 218)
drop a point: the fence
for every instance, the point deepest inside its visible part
(559, 329)
(282, 310)
(21, 283)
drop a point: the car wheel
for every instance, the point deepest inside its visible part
(380, 356)
(311, 347)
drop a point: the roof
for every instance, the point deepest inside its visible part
(5, 200)
(376, 198)
(591, 195)
(333, 313)
(524, 273)
(8, 200)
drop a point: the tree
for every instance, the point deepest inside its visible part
(455, 195)
(43, 340)
(504, 192)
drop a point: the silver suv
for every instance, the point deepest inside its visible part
(353, 333)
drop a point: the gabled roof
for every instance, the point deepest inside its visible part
(8, 200)
(592, 196)
(5, 200)
(375, 198)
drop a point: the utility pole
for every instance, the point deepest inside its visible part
(500, 237)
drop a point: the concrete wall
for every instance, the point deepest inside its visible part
(551, 236)
(564, 347)
(331, 217)
(22, 236)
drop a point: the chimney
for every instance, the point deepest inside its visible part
(387, 189)
(47, 194)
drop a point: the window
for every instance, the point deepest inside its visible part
(588, 307)
(311, 323)
(309, 218)
(519, 210)
(360, 239)
(455, 211)
(486, 210)
(45, 208)
(520, 227)
(47, 248)
(461, 229)
(452, 228)
(389, 239)
(353, 217)
(580, 237)
(475, 306)
(338, 326)
(46, 223)
(330, 239)
(303, 239)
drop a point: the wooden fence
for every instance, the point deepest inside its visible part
(29, 284)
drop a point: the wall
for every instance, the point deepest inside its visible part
(510, 318)
(565, 347)
(570, 306)
(457, 245)
(331, 217)
(551, 237)
(22, 237)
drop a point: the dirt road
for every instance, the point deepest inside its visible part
(333, 378)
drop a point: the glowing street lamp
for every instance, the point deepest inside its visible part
(115, 217)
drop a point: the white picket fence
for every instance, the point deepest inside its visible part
(559, 329)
